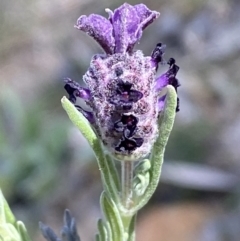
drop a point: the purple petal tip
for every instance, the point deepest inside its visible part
(122, 30)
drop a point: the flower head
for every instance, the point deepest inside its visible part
(122, 89)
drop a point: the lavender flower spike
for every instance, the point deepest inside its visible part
(122, 90)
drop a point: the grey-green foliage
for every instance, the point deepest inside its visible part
(32, 145)
(119, 219)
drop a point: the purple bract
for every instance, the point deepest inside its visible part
(122, 89)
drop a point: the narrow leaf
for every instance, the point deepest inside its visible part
(165, 124)
(80, 121)
(22, 231)
(109, 231)
(6, 215)
(131, 230)
(113, 217)
(97, 238)
(82, 124)
(9, 232)
(102, 231)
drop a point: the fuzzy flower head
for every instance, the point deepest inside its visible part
(123, 91)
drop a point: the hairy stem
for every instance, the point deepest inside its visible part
(127, 183)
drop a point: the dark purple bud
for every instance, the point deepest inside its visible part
(171, 62)
(157, 55)
(70, 91)
(169, 78)
(124, 86)
(127, 144)
(128, 121)
(172, 73)
(76, 90)
(125, 96)
(127, 125)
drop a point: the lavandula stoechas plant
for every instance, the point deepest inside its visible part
(131, 114)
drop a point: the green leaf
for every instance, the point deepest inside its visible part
(109, 175)
(22, 231)
(109, 231)
(165, 123)
(113, 217)
(10, 229)
(97, 238)
(81, 123)
(142, 177)
(141, 182)
(131, 230)
(143, 166)
(102, 231)
(6, 215)
(9, 233)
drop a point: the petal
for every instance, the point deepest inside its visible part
(161, 102)
(125, 22)
(100, 29)
(135, 95)
(75, 90)
(146, 15)
(128, 23)
(162, 81)
(169, 77)
(146, 18)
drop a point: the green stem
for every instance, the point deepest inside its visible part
(129, 227)
(127, 183)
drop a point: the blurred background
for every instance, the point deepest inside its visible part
(47, 166)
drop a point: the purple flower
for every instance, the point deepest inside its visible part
(122, 89)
